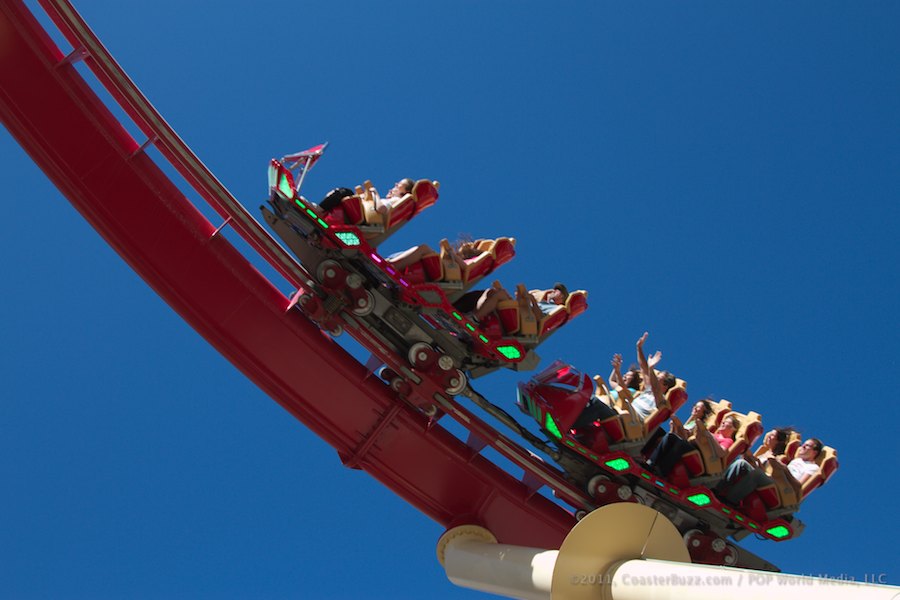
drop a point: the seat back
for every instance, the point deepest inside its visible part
(828, 465)
(576, 303)
(632, 424)
(793, 444)
(710, 452)
(790, 448)
(352, 208)
(550, 321)
(677, 395)
(473, 269)
(504, 249)
(655, 419)
(614, 428)
(434, 267)
(788, 489)
(508, 312)
(381, 226)
(400, 212)
(626, 425)
(719, 410)
(425, 193)
(749, 431)
(714, 460)
(693, 462)
(470, 270)
(675, 399)
(769, 495)
(427, 268)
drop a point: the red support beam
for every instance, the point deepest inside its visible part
(81, 147)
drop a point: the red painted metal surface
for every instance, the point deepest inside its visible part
(78, 143)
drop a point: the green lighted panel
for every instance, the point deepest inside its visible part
(509, 352)
(618, 464)
(284, 187)
(348, 238)
(550, 425)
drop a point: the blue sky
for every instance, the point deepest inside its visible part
(724, 176)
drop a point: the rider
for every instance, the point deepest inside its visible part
(464, 250)
(672, 447)
(676, 443)
(741, 478)
(481, 303)
(655, 385)
(393, 197)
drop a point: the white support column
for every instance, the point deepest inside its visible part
(624, 552)
(513, 571)
(663, 580)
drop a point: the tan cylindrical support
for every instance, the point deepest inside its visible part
(605, 538)
(624, 552)
(473, 559)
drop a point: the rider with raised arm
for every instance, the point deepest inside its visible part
(632, 382)
(625, 386)
(655, 387)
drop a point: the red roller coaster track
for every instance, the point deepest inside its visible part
(90, 157)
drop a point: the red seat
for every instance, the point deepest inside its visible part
(432, 266)
(380, 226)
(753, 506)
(745, 437)
(675, 398)
(508, 312)
(414, 273)
(477, 267)
(769, 495)
(504, 250)
(614, 429)
(630, 424)
(679, 475)
(693, 462)
(576, 303)
(719, 410)
(828, 464)
(790, 449)
(470, 270)
(400, 213)
(353, 211)
(490, 325)
(425, 193)
(349, 212)
(713, 459)
(553, 320)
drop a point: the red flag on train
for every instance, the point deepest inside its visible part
(306, 159)
(303, 161)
